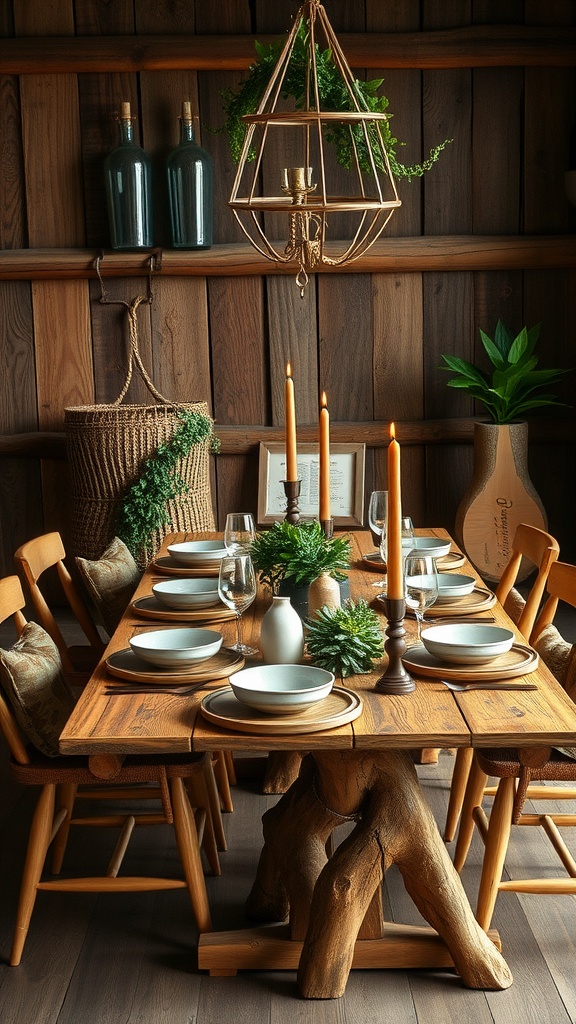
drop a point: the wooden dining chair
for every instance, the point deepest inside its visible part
(33, 559)
(34, 703)
(542, 550)
(521, 773)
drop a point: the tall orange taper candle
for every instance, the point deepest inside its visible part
(291, 453)
(324, 438)
(395, 582)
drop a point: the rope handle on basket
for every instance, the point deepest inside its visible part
(134, 356)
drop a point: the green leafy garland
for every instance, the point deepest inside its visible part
(333, 95)
(298, 553)
(143, 510)
(345, 640)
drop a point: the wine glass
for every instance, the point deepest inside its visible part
(421, 581)
(237, 589)
(239, 532)
(407, 530)
(377, 510)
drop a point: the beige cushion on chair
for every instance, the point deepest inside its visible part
(32, 679)
(110, 581)
(560, 657)
(514, 605)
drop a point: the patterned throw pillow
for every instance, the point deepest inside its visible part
(31, 677)
(110, 582)
(514, 605)
(560, 657)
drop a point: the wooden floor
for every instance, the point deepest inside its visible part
(130, 959)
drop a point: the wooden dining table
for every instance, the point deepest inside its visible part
(361, 773)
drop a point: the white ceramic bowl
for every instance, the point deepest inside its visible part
(176, 648)
(281, 689)
(463, 644)
(197, 552)
(187, 594)
(432, 546)
(452, 586)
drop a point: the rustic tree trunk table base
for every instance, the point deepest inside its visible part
(334, 904)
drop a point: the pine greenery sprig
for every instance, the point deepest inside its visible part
(298, 553)
(143, 510)
(333, 96)
(345, 640)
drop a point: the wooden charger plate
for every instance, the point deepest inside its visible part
(453, 560)
(518, 661)
(126, 665)
(168, 567)
(222, 708)
(151, 608)
(478, 601)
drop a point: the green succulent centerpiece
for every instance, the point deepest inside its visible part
(345, 640)
(515, 386)
(298, 553)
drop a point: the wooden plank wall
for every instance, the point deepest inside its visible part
(372, 341)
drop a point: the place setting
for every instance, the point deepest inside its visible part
(281, 699)
(169, 656)
(183, 600)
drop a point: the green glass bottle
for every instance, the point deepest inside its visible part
(190, 189)
(128, 182)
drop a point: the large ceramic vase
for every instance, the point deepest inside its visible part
(499, 498)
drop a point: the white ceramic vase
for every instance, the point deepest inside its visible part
(282, 634)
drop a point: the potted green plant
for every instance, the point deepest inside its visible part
(345, 640)
(290, 557)
(501, 494)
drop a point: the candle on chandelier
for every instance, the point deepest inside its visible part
(290, 427)
(395, 582)
(324, 447)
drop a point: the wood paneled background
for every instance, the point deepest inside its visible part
(372, 339)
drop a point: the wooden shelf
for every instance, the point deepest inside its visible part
(245, 440)
(388, 256)
(468, 47)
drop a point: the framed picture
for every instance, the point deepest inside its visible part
(346, 482)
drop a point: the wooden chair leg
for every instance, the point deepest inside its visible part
(460, 775)
(65, 797)
(495, 853)
(231, 770)
(215, 806)
(221, 773)
(472, 799)
(38, 843)
(187, 839)
(198, 793)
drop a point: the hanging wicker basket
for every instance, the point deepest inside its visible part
(107, 448)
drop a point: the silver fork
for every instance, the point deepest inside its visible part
(461, 687)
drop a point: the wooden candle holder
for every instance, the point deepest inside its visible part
(292, 492)
(328, 528)
(395, 678)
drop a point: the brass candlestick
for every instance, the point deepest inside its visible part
(292, 492)
(395, 678)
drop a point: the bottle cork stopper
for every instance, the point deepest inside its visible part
(186, 110)
(125, 110)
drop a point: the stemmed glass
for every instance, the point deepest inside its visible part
(237, 589)
(239, 532)
(377, 511)
(421, 581)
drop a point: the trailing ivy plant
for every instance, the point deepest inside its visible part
(345, 640)
(144, 508)
(333, 96)
(298, 553)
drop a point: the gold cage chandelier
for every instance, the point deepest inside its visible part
(288, 148)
